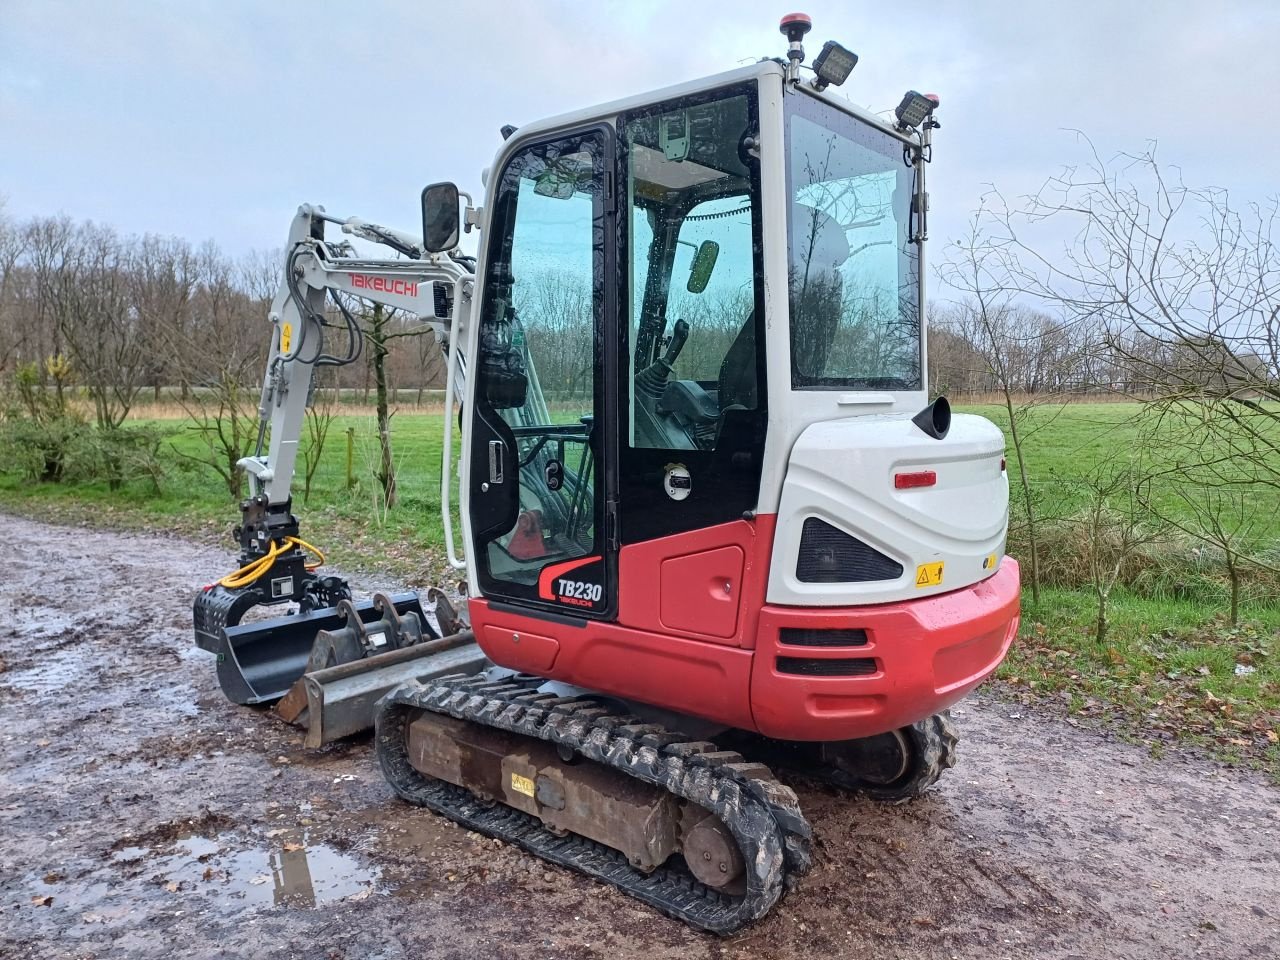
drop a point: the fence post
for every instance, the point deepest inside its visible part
(351, 457)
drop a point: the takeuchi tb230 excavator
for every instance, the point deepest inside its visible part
(713, 526)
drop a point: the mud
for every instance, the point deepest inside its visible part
(141, 814)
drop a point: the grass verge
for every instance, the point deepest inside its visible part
(1170, 673)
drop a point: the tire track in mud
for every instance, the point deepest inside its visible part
(154, 815)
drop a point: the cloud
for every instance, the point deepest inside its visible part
(215, 119)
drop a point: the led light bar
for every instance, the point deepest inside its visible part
(915, 108)
(834, 64)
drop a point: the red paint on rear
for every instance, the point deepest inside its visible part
(700, 592)
(929, 654)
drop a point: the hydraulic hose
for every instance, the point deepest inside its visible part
(256, 568)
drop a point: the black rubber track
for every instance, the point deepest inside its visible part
(932, 742)
(762, 814)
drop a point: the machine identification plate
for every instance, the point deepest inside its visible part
(929, 575)
(522, 785)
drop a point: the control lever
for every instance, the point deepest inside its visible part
(679, 334)
(652, 380)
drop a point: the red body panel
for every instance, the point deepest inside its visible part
(686, 643)
(929, 653)
(697, 677)
(675, 584)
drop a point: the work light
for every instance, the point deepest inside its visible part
(833, 64)
(915, 108)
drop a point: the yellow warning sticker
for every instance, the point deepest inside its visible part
(929, 574)
(522, 785)
(286, 337)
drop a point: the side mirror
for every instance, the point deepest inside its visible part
(440, 221)
(704, 262)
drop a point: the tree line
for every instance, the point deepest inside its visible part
(1115, 280)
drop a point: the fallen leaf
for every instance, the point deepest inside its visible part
(172, 886)
(362, 895)
(291, 847)
(208, 873)
(259, 879)
(42, 901)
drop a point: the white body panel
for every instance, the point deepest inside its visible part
(842, 472)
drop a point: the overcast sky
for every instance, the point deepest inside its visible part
(216, 119)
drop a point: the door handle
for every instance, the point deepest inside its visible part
(496, 448)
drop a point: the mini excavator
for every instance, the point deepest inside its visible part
(711, 524)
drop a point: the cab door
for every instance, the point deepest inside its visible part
(541, 461)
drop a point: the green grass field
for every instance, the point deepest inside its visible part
(1172, 669)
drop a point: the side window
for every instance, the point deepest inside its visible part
(692, 273)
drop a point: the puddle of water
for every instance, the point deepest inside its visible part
(292, 871)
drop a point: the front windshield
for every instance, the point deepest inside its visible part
(855, 318)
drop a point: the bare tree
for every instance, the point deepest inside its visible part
(161, 275)
(218, 358)
(319, 416)
(1116, 526)
(89, 296)
(996, 329)
(1224, 519)
(381, 329)
(1184, 287)
(12, 249)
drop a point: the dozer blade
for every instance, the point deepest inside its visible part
(258, 662)
(341, 700)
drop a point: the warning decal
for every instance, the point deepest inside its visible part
(286, 337)
(929, 574)
(522, 785)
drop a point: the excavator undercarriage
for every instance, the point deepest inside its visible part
(701, 834)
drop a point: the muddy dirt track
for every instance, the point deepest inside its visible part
(141, 815)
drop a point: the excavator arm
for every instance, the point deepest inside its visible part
(431, 287)
(313, 325)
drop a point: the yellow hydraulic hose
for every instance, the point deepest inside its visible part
(256, 568)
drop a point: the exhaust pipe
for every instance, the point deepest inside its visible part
(935, 419)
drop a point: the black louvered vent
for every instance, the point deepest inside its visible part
(813, 637)
(828, 555)
(840, 667)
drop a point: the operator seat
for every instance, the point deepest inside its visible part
(737, 382)
(828, 245)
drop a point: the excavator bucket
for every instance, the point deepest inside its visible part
(328, 668)
(258, 662)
